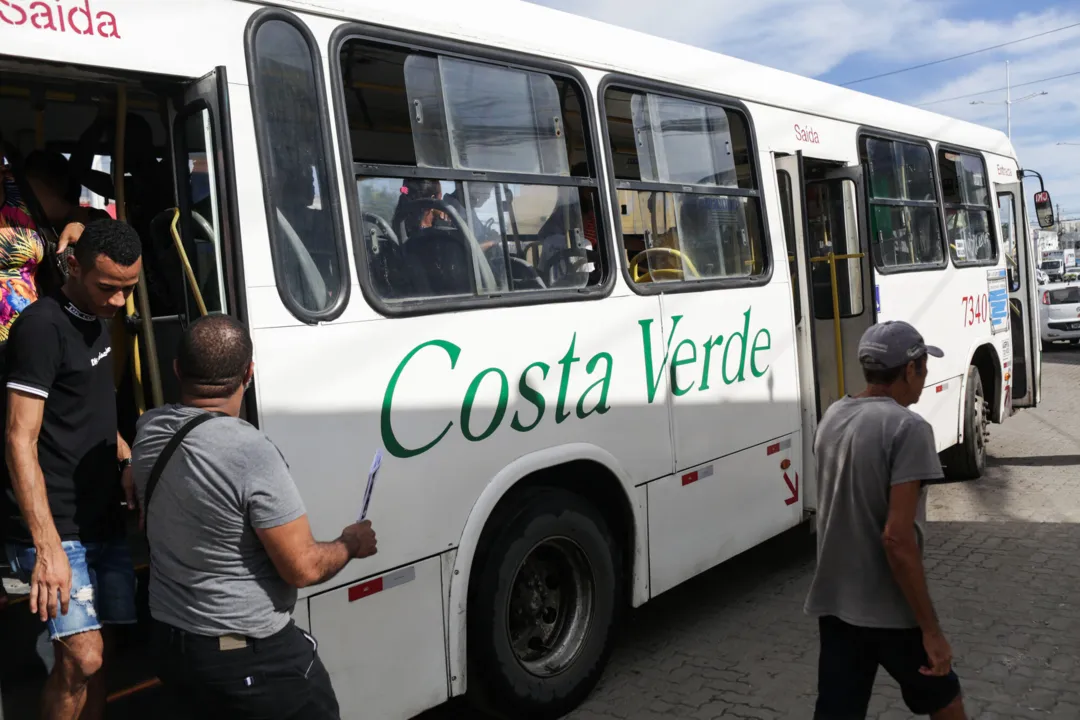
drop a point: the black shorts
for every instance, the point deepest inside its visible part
(849, 661)
(276, 678)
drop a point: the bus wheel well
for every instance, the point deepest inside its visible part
(590, 480)
(986, 361)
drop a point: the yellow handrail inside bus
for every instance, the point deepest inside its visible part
(831, 258)
(187, 265)
(144, 297)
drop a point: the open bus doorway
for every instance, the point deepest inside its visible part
(164, 177)
(831, 280)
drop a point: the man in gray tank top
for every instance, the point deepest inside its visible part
(869, 592)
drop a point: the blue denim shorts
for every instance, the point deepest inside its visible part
(102, 585)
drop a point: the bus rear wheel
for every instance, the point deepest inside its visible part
(967, 459)
(543, 606)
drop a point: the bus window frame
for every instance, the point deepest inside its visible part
(632, 83)
(330, 193)
(865, 132)
(998, 194)
(990, 208)
(411, 41)
(181, 152)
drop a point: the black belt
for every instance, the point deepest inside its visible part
(224, 643)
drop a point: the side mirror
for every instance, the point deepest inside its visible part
(1044, 209)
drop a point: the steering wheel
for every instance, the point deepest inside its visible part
(384, 228)
(529, 271)
(562, 264)
(673, 273)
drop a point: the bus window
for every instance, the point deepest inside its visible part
(687, 184)
(834, 228)
(473, 179)
(905, 224)
(968, 219)
(787, 211)
(202, 231)
(305, 230)
(1009, 230)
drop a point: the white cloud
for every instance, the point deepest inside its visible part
(813, 38)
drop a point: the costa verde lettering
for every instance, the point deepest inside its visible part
(77, 17)
(740, 352)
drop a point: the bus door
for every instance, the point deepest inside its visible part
(840, 278)
(789, 179)
(1025, 382)
(198, 234)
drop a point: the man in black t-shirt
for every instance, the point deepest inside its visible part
(67, 468)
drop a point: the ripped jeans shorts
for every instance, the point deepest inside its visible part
(102, 585)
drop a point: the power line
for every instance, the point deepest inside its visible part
(1000, 89)
(957, 57)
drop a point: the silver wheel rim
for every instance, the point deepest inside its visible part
(550, 607)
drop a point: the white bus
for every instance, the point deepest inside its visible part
(589, 291)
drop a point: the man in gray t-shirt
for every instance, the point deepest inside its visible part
(229, 544)
(869, 592)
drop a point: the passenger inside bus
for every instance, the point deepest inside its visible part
(48, 175)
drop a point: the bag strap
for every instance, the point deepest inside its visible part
(166, 455)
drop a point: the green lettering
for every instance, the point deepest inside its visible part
(564, 384)
(531, 395)
(709, 344)
(676, 362)
(753, 353)
(604, 383)
(390, 440)
(470, 398)
(653, 381)
(741, 375)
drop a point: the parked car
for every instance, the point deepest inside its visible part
(1041, 276)
(1059, 312)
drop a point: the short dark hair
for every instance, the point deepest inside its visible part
(54, 172)
(887, 376)
(114, 239)
(214, 355)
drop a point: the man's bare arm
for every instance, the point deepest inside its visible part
(905, 557)
(301, 561)
(25, 412)
(50, 582)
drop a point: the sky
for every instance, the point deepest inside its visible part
(840, 41)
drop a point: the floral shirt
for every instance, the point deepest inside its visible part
(21, 251)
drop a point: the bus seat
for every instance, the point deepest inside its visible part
(442, 259)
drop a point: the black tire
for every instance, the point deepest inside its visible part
(550, 528)
(967, 459)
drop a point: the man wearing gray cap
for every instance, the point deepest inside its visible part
(869, 592)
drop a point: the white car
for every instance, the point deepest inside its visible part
(1041, 276)
(1059, 312)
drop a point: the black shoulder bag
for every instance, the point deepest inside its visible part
(166, 455)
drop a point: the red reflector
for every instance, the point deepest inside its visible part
(362, 590)
(940, 388)
(773, 449)
(690, 478)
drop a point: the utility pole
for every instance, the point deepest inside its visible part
(1008, 101)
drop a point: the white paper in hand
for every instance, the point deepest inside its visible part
(375, 465)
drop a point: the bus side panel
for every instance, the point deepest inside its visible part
(700, 517)
(383, 642)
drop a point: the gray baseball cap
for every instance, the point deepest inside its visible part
(893, 344)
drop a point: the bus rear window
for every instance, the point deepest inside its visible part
(1065, 296)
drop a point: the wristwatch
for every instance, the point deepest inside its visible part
(124, 464)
